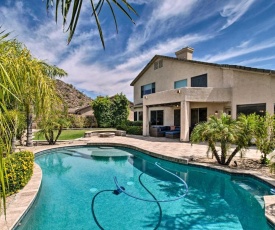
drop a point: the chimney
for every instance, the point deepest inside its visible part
(185, 53)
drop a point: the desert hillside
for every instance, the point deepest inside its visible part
(71, 96)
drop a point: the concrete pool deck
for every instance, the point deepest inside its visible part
(169, 149)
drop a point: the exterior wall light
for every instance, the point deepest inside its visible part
(216, 112)
(178, 91)
(146, 97)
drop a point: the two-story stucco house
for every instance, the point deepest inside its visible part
(179, 91)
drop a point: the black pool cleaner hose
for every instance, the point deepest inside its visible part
(168, 200)
(117, 192)
(121, 189)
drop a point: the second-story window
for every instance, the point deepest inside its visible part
(147, 89)
(199, 81)
(180, 84)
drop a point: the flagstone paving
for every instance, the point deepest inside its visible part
(170, 149)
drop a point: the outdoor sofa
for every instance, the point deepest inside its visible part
(164, 131)
(175, 133)
(158, 130)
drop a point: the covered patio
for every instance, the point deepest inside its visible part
(188, 103)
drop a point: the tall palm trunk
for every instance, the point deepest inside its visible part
(29, 128)
(223, 152)
(214, 151)
(13, 140)
(13, 143)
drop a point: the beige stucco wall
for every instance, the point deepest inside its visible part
(178, 70)
(206, 94)
(227, 88)
(211, 107)
(168, 114)
(244, 87)
(253, 88)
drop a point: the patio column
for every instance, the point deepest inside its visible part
(145, 128)
(184, 120)
(270, 108)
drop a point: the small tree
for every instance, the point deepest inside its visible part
(225, 131)
(111, 112)
(102, 111)
(51, 126)
(119, 109)
(265, 136)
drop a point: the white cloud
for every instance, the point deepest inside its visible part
(98, 78)
(139, 2)
(234, 11)
(164, 48)
(237, 51)
(256, 60)
(165, 9)
(160, 29)
(155, 23)
(244, 44)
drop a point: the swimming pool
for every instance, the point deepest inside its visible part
(77, 192)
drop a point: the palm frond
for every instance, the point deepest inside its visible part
(70, 10)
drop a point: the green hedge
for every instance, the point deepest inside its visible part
(131, 127)
(135, 130)
(19, 169)
(134, 123)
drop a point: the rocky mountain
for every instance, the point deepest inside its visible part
(71, 96)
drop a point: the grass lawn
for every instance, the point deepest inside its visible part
(71, 134)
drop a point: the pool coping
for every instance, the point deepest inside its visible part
(25, 198)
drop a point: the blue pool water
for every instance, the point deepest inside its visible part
(74, 177)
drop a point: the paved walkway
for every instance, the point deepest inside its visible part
(170, 149)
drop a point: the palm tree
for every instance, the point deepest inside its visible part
(226, 132)
(32, 81)
(52, 124)
(25, 82)
(39, 91)
(8, 89)
(71, 9)
(265, 136)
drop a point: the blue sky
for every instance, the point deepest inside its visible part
(226, 32)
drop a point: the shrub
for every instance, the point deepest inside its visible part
(134, 123)
(135, 130)
(89, 121)
(122, 127)
(76, 121)
(19, 169)
(131, 127)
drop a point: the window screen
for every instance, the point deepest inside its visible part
(259, 109)
(199, 81)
